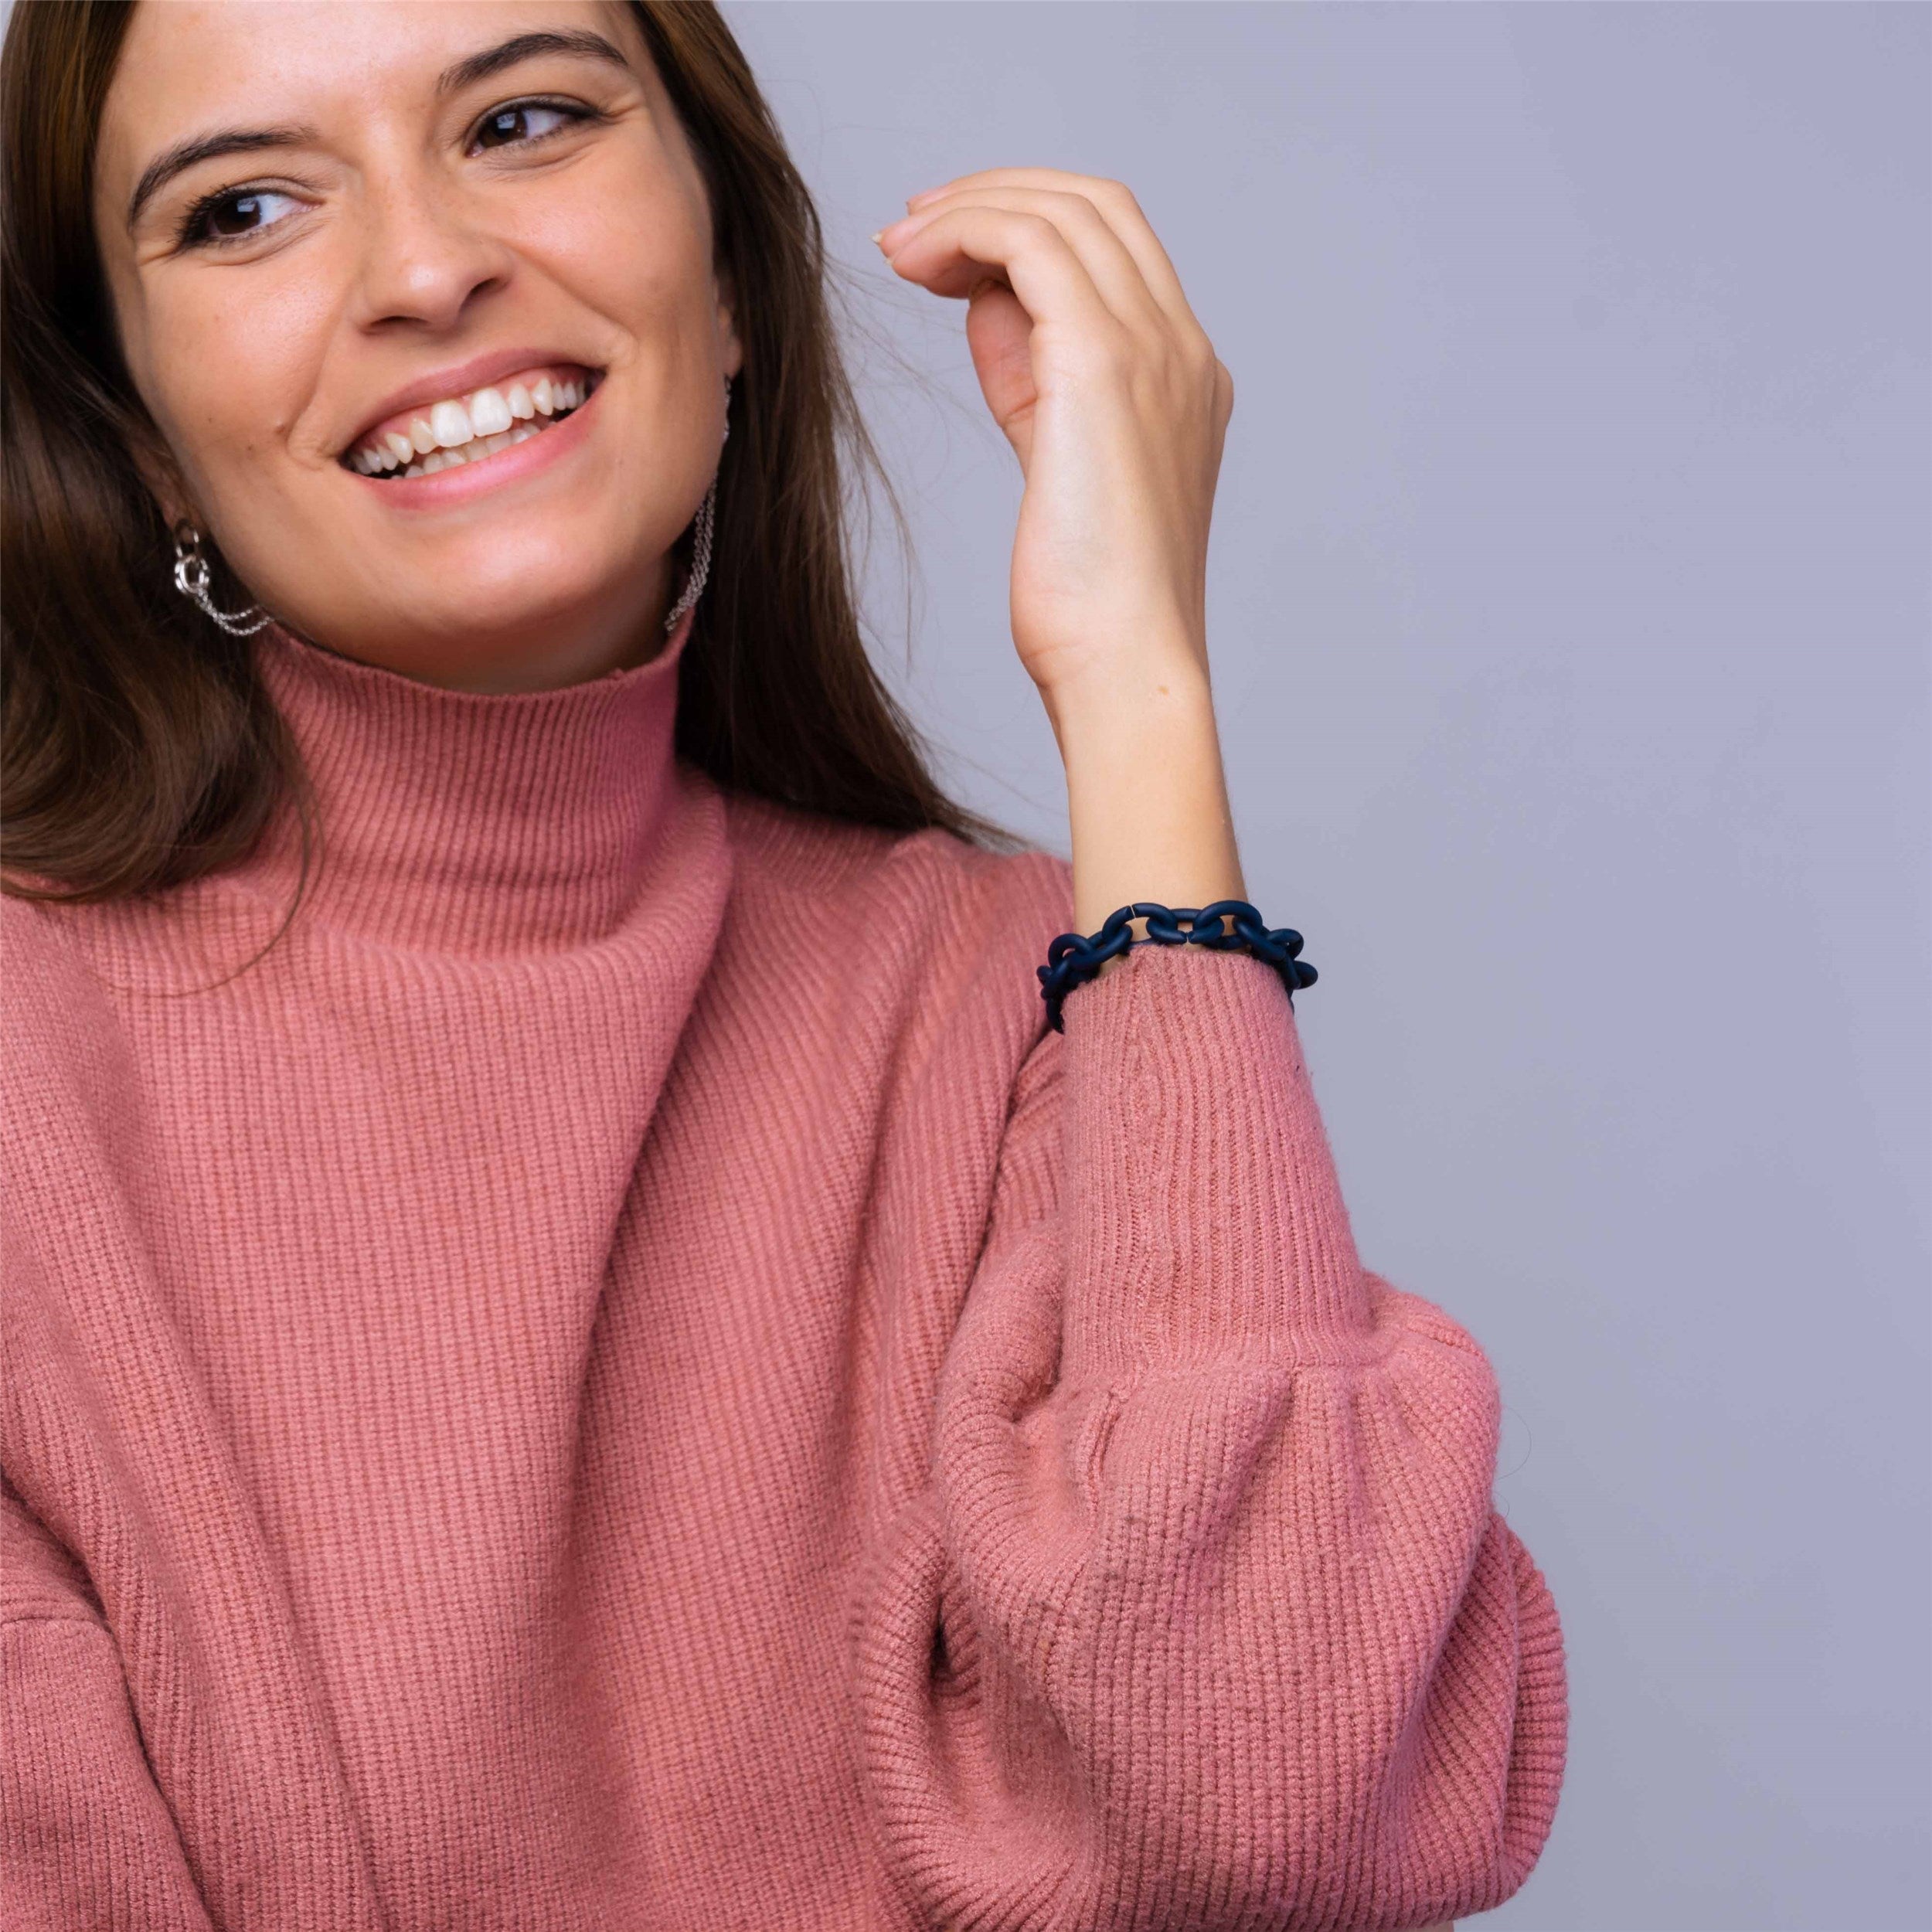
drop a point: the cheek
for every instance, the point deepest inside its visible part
(638, 254)
(235, 380)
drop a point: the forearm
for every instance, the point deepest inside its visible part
(1147, 797)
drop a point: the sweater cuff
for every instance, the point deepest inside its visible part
(1203, 1217)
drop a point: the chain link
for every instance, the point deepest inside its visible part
(191, 579)
(700, 570)
(1072, 960)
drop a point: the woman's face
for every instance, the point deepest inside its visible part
(427, 213)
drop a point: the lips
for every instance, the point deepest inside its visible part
(491, 420)
(450, 476)
(458, 382)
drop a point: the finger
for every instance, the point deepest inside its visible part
(1114, 271)
(954, 250)
(1118, 206)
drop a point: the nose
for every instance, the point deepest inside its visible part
(424, 248)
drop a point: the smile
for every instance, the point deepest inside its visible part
(470, 429)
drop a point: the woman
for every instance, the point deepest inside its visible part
(595, 1339)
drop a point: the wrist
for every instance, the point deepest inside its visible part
(1130, 705)
(1148, 805)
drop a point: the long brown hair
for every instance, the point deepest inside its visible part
(138, 749)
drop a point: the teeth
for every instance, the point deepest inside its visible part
(489, 414)
(451, 432)
(451, 422)
(444, 459)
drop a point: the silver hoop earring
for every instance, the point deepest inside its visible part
(701, 533)
(191, 579)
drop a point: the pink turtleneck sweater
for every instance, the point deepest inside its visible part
(621, 1378)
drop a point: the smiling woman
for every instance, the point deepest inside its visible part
(621, 1370)
(394, 208)
(238, 247)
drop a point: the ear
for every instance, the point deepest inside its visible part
(155, 463)
(731, 354)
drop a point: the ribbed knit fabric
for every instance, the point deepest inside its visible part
(620, 1378)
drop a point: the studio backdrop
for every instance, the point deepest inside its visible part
(1568, 617)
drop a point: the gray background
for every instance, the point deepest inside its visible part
(1569, 624)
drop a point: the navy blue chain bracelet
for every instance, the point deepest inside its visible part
(1071, 959)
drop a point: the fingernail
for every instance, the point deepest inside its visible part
(877, 232)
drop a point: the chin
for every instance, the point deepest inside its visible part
(507, 608)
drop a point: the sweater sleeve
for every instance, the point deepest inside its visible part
(86, 1841)
(1204, 1616)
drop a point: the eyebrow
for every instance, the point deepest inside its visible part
(578, 41)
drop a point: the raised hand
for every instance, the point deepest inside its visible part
(1111, 395)
(1117, 406)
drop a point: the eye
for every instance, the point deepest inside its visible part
(199, 229)
(503, 120)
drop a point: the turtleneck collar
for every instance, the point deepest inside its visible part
(480, 823)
